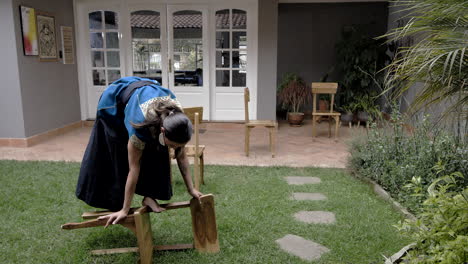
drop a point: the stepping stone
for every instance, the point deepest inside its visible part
(302, 248)
(297, 180)
(315, 217)
(308, 196)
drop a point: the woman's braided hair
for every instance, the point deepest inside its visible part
(169, 115)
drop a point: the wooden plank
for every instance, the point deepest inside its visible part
(190, 150)
(114, 251)
(324, 87)
(95, 223)
(176, 205)
(96, 214)
(205, 232)
(144, 236)
(324, 90)
(190, 113)
(136, 250)
(92, 215)
(246, 104)
(196, 165)
(173, 247)
(168, 206)
(266, 123)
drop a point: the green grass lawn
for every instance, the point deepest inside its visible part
(253, 209)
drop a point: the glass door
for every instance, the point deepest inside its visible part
(188, 52)
(149, 42)
(230, 63)
(103, 48)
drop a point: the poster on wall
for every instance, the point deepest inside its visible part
(28, 29)
(46, 36)
(67, 45)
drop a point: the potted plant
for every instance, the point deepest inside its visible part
(324, 102)
(347, 113)
(366, 108)
(292, 95)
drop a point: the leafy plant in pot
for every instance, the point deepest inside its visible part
(347, 113)
(366, 108)
(293, 96)
(324, 102)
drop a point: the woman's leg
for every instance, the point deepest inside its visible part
(153, 204)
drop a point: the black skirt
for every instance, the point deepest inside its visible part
(105, 168)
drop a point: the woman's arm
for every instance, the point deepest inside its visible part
(134, 156)
(183, 163)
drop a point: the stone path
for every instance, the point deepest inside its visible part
(295, 180)
(303, 248)
(296, 245)
(308, 196)
(315, 217)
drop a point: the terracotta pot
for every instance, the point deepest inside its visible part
(295, 119)
(324, 105)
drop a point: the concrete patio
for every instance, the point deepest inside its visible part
(224, 146)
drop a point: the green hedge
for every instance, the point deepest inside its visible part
(391, 156)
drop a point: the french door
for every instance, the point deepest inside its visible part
(197, 51)
(188, 55)
(169, 44)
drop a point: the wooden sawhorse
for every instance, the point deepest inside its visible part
(205, 233)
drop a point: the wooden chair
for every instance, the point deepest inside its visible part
(325, 88)
(205, 233)
(272, 125)
(196, 151)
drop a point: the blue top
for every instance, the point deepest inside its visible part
(136, 110)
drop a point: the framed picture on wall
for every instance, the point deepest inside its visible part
(46, 36)
(28, 30)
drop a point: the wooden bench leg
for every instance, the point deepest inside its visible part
(313, 126)
(202, 169)
(205, 232)
(247, 138)
(144, 237)
(337, 126)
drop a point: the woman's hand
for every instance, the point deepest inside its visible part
(195, 194)
(114, 218)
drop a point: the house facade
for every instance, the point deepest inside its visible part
(206, 51)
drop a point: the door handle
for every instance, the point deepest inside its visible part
(170, 65)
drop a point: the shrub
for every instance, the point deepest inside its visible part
(392, 157)
(440, 231)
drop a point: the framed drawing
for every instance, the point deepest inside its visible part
(28, 30)
(46, 36)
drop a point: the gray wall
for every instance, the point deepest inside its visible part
(11, 111)
(267, 58)
(307, 34)
(49, 90)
